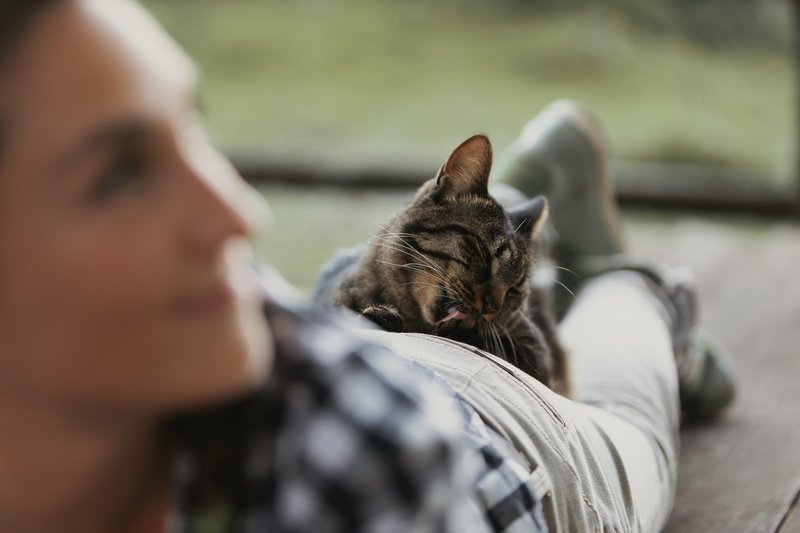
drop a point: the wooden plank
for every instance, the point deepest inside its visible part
(742, 473)
(643, 184)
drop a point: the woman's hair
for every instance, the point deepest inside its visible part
(15, 19)
(16, 16)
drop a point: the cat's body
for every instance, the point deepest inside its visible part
(454, 263)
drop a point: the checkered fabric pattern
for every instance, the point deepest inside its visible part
(346, 437)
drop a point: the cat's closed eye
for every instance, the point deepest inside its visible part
(503, 252)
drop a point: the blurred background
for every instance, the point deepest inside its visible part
(397, 83)
(338, 87)
(338, 109)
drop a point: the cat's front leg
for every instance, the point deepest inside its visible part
(385, 316)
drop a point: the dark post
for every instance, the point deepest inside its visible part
(795, 6)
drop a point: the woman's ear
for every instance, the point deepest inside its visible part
(466, 171)
(529, 217)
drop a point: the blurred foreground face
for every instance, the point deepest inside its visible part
(124, 275)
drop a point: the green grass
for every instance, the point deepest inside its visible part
(400, 83)
(308, 226)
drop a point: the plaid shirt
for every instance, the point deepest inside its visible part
(345, 437)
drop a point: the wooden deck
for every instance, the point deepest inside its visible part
(742, 473)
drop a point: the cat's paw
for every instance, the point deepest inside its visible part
(385, 316)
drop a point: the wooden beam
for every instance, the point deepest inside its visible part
(661, 186)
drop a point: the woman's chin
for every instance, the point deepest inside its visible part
(227, 358)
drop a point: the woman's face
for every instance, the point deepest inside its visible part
(124, 271)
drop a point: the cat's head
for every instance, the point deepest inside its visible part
(468, 260)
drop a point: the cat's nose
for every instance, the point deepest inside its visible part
(495, 299)
(489, 307)
(483, 310)
(488, 303)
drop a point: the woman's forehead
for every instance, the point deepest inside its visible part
(86, 62)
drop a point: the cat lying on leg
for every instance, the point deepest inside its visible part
(454, 263)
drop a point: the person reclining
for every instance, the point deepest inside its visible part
(152, 379)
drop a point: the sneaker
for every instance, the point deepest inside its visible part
(706, 378)
(562, 154)
(705, 375)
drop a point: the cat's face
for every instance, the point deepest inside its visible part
(470, 259)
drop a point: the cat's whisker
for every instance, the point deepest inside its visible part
(566, 289)
(500, 346)
(420, 254)
(393, 245)
(460, 291)
(390, 232)
(425, 264)
(510, 338)
(452, 287)
(407, 249)
(488, 341)
(501, 351)
(499, 342)
(492, 342)
(421, 284)
(565, 269)
(456, 296)
(414, 267)
(420, 269)
(409, 246)
(453, 300)
(432, 286)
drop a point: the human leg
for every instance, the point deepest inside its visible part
(562, 153)
(606, 462)
(625, 382)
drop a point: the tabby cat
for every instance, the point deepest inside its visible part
(454, 263)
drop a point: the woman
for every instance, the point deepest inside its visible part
(127, 296)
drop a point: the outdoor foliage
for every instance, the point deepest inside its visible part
(390, 83)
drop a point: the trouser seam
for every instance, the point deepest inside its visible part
(540, 401)
(562, 456)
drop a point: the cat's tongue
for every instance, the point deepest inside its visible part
(454, 315)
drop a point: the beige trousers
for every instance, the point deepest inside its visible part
(605, 460)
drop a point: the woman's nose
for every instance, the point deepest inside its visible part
(223, 205)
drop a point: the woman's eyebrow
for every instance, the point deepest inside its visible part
(116, 133)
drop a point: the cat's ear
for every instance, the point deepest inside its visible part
(466, 171)
(529, 217)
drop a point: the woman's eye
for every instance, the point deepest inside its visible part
(121, 176)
